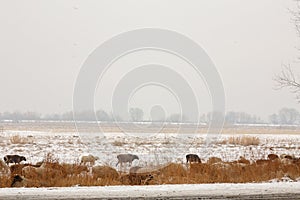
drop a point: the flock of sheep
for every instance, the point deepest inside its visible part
(89, 160)
(122, 158)
(41, 168)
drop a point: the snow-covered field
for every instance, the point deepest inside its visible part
(152, 149)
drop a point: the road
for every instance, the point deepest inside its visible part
(197, 191)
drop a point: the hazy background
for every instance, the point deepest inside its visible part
(44, 43)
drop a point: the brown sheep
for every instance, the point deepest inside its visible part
(273, 156)
(17, 169)
(191, 158)
(49, 169)
(20, 181)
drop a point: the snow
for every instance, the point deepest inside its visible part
(154, 191)
(153, 149)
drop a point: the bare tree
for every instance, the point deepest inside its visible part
(288, 79)
(136, 114)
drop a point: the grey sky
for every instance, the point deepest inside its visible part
(44, 43)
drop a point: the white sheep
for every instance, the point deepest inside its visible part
(89, 159)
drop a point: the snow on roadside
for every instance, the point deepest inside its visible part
(153, 190)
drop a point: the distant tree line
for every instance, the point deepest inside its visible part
(232, 117)
(284, 116)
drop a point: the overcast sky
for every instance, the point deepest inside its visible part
(43, 45)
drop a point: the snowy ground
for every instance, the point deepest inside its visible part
(215, 191)
(152, 149)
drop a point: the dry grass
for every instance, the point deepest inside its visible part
(119, 143)
(64, 175)
(235, 173)
(242, 140)
(17, 139)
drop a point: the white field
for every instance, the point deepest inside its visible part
(152, 149)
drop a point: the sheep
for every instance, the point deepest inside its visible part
(282, 156)
(192, 158)
(51, 169)
(13, 159)
(20, 181)
(89, 159)
(273, 156)
(124, 158)
(30, 171)
(17, 169)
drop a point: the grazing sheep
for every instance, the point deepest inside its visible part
(273, 156)
(17, 169)
(192, 158)
(49, 169)
(13, 159)
(20, 181)
(30, 171)
(89, 159)
(124, 158)
(282, 156)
